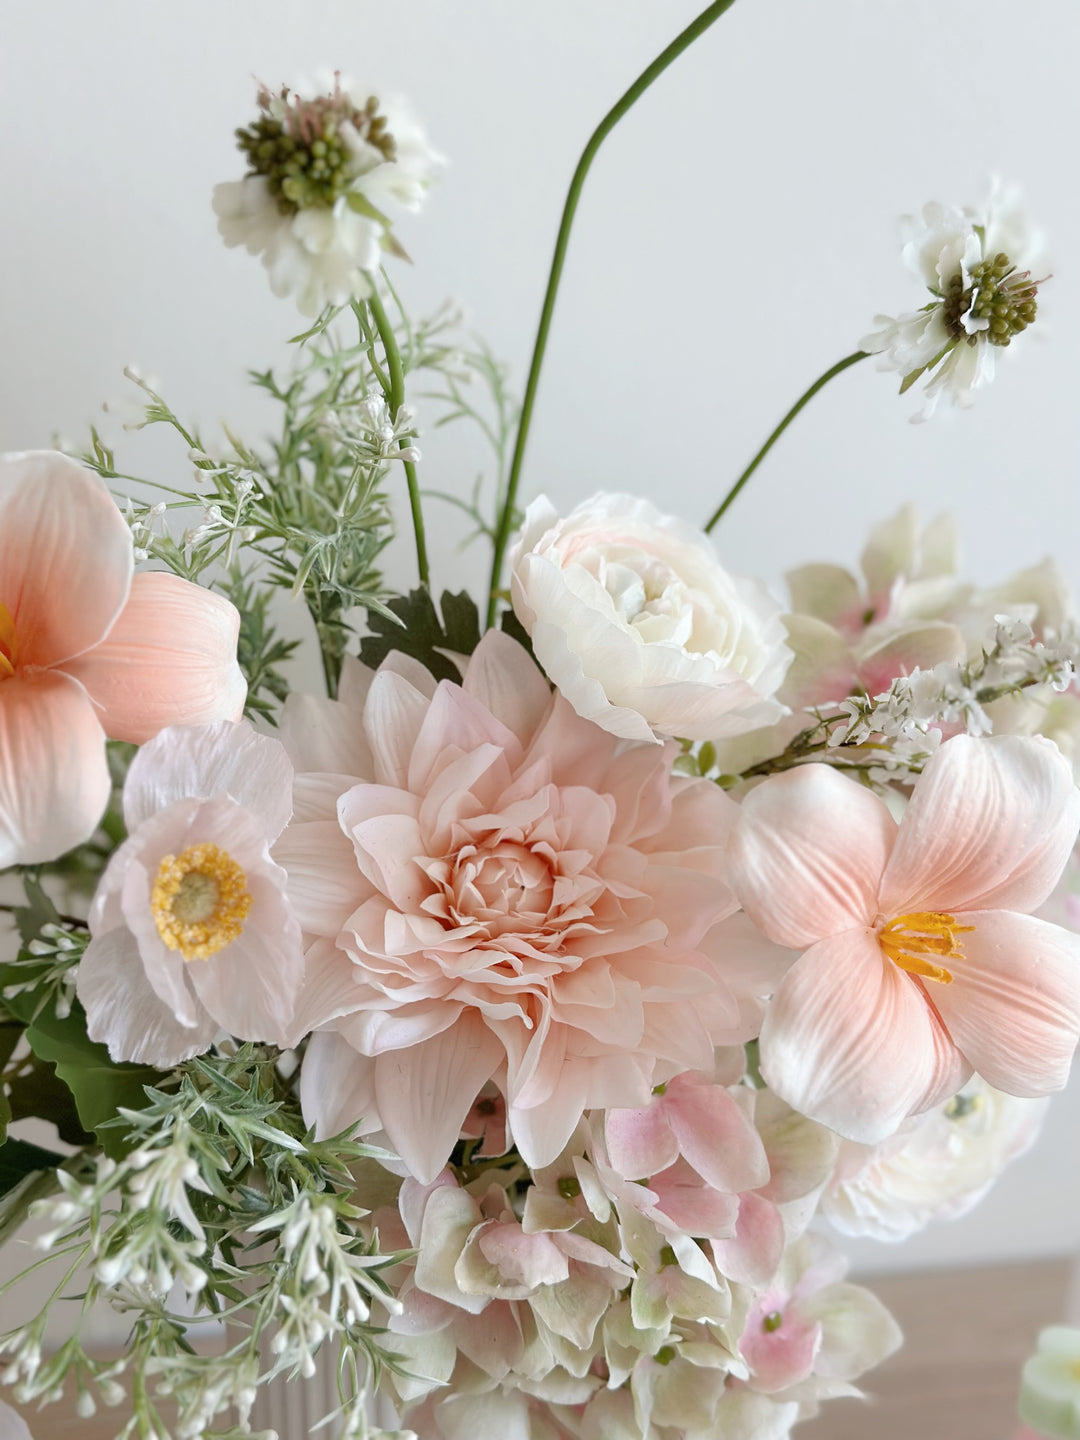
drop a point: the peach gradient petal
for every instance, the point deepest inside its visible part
(851, 1042)
(990, 826)
(1014, 1005)
(170, 659)
(808, 854)
(54, 779)
(65, 556)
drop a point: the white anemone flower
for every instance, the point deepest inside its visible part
(983, 269)
(192, 935)
(328, 169)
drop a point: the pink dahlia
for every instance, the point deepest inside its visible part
(503, 892)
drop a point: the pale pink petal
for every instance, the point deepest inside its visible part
(325, 885)
(916, 647)
(808, 853)
(54, 778)
(1013, 1006)
(325, 736)
(332, 987)
(503, 676)
(851, 1041)
(222, 758)
(125, 1013)
(824, 666)
(783, 1356)
(715, 1135)
(827, 591)
(393, 715)
(640, 1142)
(337, 1087)
(65, 556)
(542, 1131)
(694, 1207)
(423, 1094)
(170, 659)
(990, 826)
(752, 1256)
(455, 724)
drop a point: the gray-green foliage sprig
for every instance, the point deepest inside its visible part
(225, 1196)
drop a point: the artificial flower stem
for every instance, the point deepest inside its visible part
(652, 72)
(803, 400)
(395, 399)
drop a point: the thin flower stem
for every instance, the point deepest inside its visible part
(803, 400)
(395, 399)
(603, 130)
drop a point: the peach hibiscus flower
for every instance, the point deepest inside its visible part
(921, 962)
(503, 892)
(89, 651)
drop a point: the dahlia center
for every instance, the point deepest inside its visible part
(513, 879)
(918, 942)
(1000, 300)
(9, 644)
(200, 901)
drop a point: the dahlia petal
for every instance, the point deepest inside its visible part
(808, 853)
(456, 724)
(332, 986)
(54, 778)
(1013, 1006)
(715, 1135)
(640, 1142)
(65, 555)
(170, 659)
(542, 1131)
(989, 827)
(124, 1012)
(324, 884)
(223, 758)
(393, 716)
(337, 1087)
(425, 1093)
(503, 676)
(850, 1040)
(325, 736)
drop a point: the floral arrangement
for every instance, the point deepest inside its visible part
(510, 1022)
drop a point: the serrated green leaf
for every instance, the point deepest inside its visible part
(41, 1094)
(421, 632)
(38, 911)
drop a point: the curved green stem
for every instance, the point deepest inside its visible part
(395, 399)
(803, 400)
(603, 130)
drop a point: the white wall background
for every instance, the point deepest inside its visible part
(736, 238)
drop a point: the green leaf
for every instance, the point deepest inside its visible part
(41, 1094)
(18, 1159)
(38, 911)
(421, 632)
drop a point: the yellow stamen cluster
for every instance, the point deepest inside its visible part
(918, 942)
(9, 644)
(199, 901)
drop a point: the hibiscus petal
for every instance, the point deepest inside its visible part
(808, 854)
(851, 1041)
(223, 758)
(1013, 1006)
(54, 778)
(424, 1093)
(65, 555)
(124, 1012)
(170, 659)
(990, 826)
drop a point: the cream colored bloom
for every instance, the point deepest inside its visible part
(640, 627)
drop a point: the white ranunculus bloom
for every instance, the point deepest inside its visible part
(191, 933)
(983, 269)
(328, 170)
(640, 626)
(938, 1169)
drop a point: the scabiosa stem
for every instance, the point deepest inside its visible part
(603, 130)
(395, 398)
(803, 400)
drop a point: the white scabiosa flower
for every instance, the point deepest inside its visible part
(326, 174)
(983, 269)
(639, 625)
(191, 933)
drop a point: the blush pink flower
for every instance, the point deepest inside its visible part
(89, 651)
(921, 961)
(506, 892)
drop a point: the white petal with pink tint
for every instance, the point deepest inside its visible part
(170, 659)
(850, 1041)
(337, 1087)
(808, 854)
(54, 778)
(65, 555)
(989, 827)
(1013, 1007)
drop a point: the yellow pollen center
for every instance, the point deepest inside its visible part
(918, 942)
(9, 644)
(199, 901)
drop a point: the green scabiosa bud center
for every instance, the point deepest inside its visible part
(303, 150)
(1000, 299)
